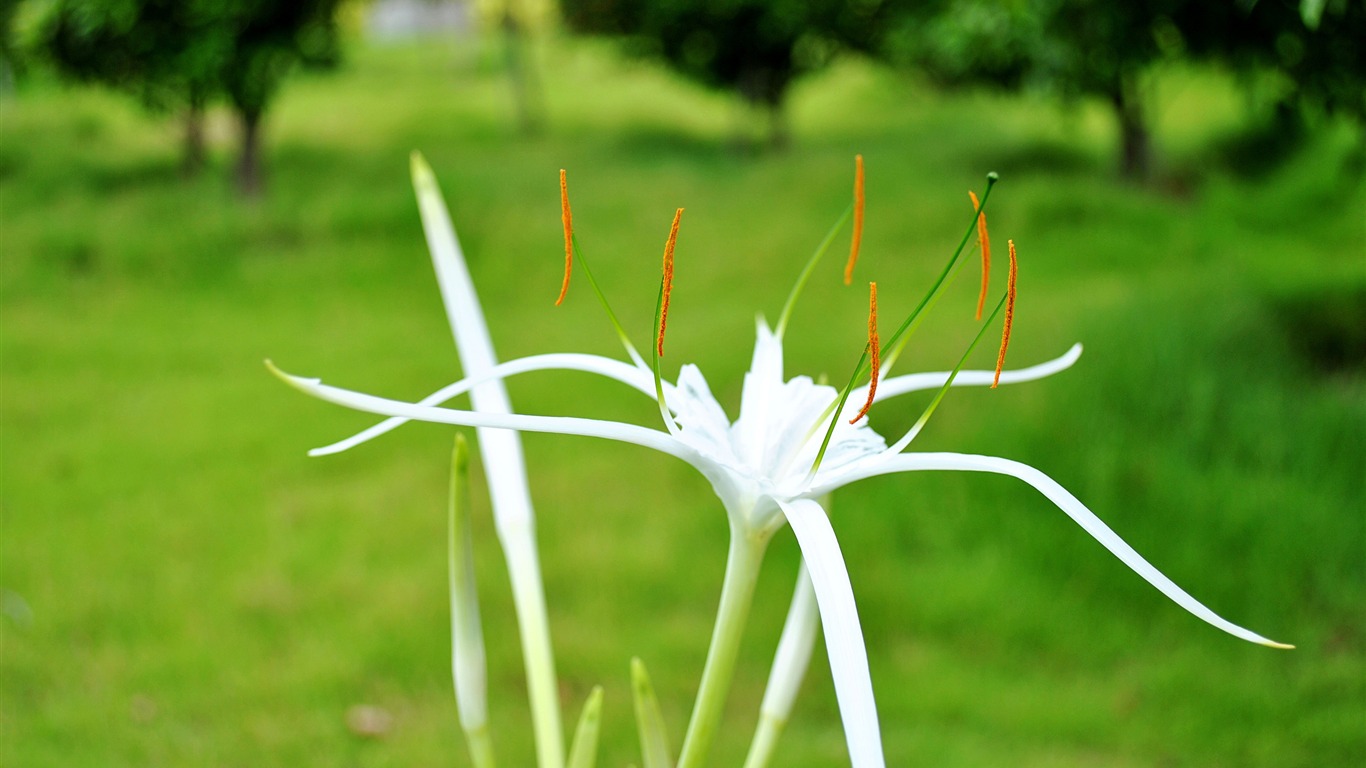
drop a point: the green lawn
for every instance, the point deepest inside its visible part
(182, 586)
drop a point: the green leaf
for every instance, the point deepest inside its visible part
(654, 742)
(583, 753)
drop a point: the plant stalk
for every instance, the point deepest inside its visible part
(745, 556)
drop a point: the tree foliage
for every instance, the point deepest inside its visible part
(180, 54)
(753, 48)
(1102, 48)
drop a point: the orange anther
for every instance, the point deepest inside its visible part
(858, 220)
(568, 220)
(985, 242)
(668, 280)
(1010, 317)
(874, 350)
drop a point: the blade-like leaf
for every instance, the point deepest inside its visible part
(654, 742)
(583, 753)
(468, 667)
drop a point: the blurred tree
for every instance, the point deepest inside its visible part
(1317, 47)
(754, 48)
(1102, 48)
(10, 63)
(179, 54)
(1070, 47)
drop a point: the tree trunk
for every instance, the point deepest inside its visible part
(192, 161)
(779, 134)
(1136, 151)
(526, 92)
(248, 176)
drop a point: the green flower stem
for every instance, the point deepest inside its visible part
(743, 560)
(529, 601)
(481, 747)
(765, 740)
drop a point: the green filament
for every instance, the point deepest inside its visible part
(898, 340)
(602, 299)
(808, 269)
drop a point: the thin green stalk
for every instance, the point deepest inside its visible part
(896, 341)
(948, 382)
(743, 560)
(654, 363)
(810, 268)
(602, 299)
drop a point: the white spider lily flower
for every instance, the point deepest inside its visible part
(763, 467)
(759, 467)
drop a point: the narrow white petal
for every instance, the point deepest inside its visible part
(1075, 510)
(843, 635)
(605, 366)
(504, 465)
(561, 425)
(916, 382)
(502, 451)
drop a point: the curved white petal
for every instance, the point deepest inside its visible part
(560, 425)
(605, 366)
(1075, 510)
(916, 382)
(843, 635)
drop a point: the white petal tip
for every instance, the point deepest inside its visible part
(1274, 644)
(422, 172)
(298, 382)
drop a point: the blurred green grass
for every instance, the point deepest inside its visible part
(203, 594)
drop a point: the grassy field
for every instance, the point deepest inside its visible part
(182, 586)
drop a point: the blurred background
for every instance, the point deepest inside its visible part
(189, 187)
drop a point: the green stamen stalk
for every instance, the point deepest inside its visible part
(654, 365)
(809, 268)
(602, 299)
(897, 341)
(948, 383)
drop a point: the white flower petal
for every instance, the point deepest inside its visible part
(758, 396)
(1075, 510)
(916, 382)
(605, 366)
(560, 425)
(843, 635)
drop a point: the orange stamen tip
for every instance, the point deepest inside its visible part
(858, 220)
(874, 350)
(1010, 317)
(985, 241)
(567, 219)
(668, 280)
